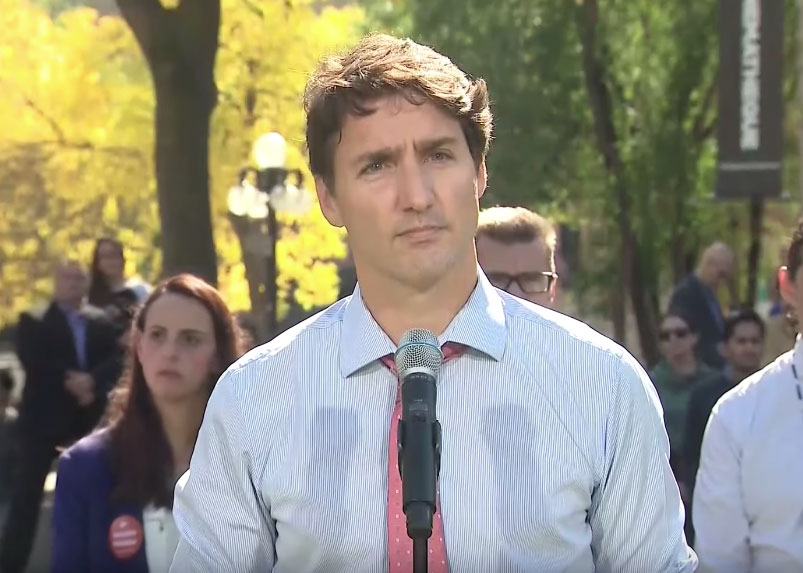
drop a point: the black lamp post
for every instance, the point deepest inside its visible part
(277, 189)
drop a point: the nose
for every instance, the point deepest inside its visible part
(415, 190)
(170, 349)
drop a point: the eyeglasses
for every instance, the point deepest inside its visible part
(530, 283)
(679, 333)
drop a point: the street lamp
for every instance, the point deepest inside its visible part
(277, 189)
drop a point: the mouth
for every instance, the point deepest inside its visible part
(168, 373)
(421, 233)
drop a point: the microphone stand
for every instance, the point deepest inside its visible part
(419, 441)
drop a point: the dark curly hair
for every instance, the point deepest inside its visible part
(381, 65)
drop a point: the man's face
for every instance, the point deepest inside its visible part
(526, 262)
(406, 188)
(70, 283)
(743, 350)
(792, 288)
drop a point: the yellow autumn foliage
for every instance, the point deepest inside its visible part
(76, 141)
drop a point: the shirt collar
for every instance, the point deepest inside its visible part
(480, 325)
(362, 340)
(797, 355)
(70, 312)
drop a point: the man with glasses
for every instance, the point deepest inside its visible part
(516, 250)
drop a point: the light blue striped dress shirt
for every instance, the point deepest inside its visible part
(554, 453)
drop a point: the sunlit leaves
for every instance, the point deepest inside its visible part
(76, 141)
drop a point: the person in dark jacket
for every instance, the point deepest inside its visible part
(114, 488)
(696, 297)
(8, 441)
(71, 358)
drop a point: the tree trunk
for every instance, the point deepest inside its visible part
(754, 253)
(180, 46)
(599, 99)
(619, 313)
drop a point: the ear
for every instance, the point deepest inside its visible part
(787, 287)
(328, 203)
(482, 179)
(553, 290)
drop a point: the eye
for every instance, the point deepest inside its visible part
(191, 339)
(439, 156)
(156, 334)
(373, 167)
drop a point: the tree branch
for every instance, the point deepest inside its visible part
(700, 131)
(599, 97)
(58, 132)
(129, 152)
(143, 17)
(707, 131)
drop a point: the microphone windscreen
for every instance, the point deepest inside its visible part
(418, 351)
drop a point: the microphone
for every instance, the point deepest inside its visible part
(418, 362)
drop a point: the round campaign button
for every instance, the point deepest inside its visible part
(125, 537)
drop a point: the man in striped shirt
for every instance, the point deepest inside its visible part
(554, 456)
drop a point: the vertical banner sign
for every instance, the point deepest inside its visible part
(750, 122)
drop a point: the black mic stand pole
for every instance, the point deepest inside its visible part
(419, 443)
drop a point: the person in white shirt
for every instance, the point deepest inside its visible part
(554, 456)
(748, 500)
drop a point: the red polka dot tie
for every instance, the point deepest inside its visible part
(400, 546)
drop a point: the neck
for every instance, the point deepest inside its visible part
(740, 374)
(685, 366)
(180, 421)
(704, 278)
(72, 304)
(399, 307)
(116, 283)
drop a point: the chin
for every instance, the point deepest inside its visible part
(173, 395)
(427, 273)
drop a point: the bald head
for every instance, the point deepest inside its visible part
(716, 264)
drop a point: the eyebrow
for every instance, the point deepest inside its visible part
(386, 153)
(182, 331)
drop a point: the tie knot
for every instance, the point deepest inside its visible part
(450, 350)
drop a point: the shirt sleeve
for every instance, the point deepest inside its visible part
(223, 522)
(720, 524)
(636, 514)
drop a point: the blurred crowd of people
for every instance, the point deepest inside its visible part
(728, 386)
(146, 395)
